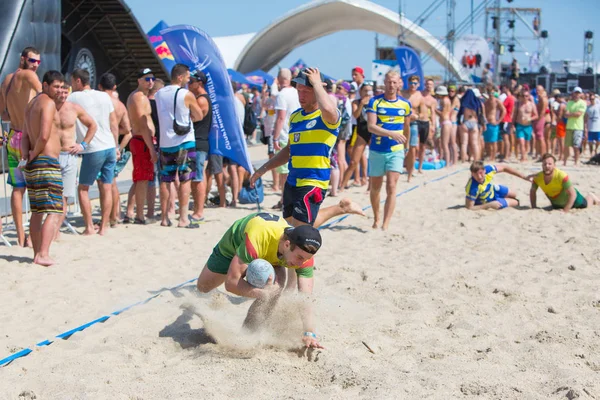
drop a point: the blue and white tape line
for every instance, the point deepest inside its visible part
(67, 334)
(330, 224)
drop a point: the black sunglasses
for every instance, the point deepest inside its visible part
(150, 78)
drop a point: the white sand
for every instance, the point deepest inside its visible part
(454, 304)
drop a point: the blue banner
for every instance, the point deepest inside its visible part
(410, 64)
(259, 77)
(194, 48)
(160, 46)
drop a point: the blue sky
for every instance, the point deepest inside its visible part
(336, 54)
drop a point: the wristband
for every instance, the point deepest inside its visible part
(83, 145)
(312, 335)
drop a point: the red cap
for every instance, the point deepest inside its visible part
(359, 70)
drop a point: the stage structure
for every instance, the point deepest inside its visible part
(498, 19)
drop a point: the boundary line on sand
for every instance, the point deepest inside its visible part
(67, 334)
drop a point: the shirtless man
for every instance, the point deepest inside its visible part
(415, 98)
(448, 151)
(68, 114)
(561, 125)
(525, 114)
(108, 85)
(427, 119)
(541, 139)
(41, 142)
(494, 113)
(16, 91)
(142, 145)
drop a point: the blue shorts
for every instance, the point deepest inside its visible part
(500, 194)
(380, 163)
(491, 133)
(201, 157)
(99, 165)
(523, 131)
(593, 137)
(414, 134)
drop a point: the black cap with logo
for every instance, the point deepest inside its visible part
(199, 76)
(306, 237)
(143, 72)
(302, 79)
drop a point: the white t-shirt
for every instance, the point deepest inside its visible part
(287, 100)
(240, 110)
(164, 105)
(99, 106)
(593, 114)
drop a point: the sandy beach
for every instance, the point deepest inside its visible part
(451, 303)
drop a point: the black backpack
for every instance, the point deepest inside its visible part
(250, 121)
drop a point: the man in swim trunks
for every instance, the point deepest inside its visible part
(507, 122)
(16, 92)
(386, 116)
(575, 114)
(525, 114)
(558, 188)
(41, 143)
(108, 85)
(539, 128)
(68, 114)
(427, 119)
(494, 113)
(560, 109)
(482, 194)
(142, 143)
(268, 237)
(415, 98)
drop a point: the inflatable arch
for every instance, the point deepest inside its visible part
(319, 18)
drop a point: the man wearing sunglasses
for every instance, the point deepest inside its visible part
(142, 143)
(16, 91)
(415, 98)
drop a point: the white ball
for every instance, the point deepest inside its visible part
(258, 273)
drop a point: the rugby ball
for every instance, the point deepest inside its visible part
(258, 273)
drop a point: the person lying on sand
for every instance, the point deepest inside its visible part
(269, 237)
(557, 186)
(482, 194)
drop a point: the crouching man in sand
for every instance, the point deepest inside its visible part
(558, 188)
(41, 143)
(482, 194)
(266, 236)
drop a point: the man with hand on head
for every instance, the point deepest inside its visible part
(268, 237)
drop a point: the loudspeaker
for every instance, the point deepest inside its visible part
(544, 34)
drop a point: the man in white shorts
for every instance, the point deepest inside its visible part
(68, 114)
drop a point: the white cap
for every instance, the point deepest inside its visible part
(441, 91)
(578, 90)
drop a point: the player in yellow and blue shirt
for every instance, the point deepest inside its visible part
(482, 194)
(386, 115)
(313, 133)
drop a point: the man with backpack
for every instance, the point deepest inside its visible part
(177, 141)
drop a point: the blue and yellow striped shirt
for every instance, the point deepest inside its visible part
(390, 116)
(311, 142)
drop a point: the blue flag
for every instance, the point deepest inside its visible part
(194, 48)
(410, 64)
